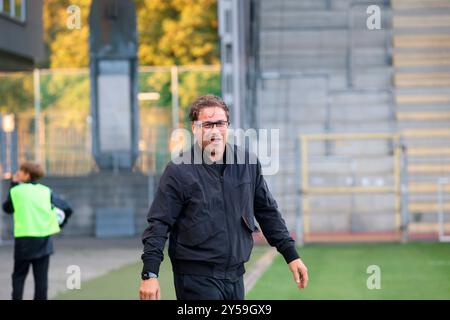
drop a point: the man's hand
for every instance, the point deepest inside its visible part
(300, 273)
(150, 290)
(15, 178)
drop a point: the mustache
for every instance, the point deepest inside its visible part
(212, 136)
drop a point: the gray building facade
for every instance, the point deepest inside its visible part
(21, 34)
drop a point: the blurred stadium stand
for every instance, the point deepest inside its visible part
(421, 61)
(309, 67)
(320, 70)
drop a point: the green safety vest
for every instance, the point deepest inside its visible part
(33, 213)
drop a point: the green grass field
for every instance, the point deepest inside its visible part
(411, 271)
(123, 283)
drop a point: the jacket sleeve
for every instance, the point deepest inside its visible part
(270, 220)
(162, 215)
(62, 204)
(8, 204)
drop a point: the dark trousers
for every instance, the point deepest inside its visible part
(193, 287)
(40, 273)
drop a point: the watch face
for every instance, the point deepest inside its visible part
(148, 275)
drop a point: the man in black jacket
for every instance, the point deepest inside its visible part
(207, 199)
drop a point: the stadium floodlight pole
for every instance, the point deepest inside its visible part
(37, 114)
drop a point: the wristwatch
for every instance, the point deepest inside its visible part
(148, 275)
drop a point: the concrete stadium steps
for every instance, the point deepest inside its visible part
(342, 117)
(292, 5)
(426, 187)
(421, 57)
(318, 19)
(427, 142)
(422, 79)
(427, 197)
(421, 41)
(354, 97)
(356, 126)
(356, 222)
(424, 184)
(360, 106)
(359, 166)
(423, 108)
(419, 4)
(412, 21)
(357, 148)
(427, 206)
(345, 4)
(369, 180)
(368, 57)
(346, 203)
(421, 161)
(423, 115)
(423, 124)
(429, 169)
(369, 78)
(281, 40)
(287, 134)
(304, 44)
(359, 113)
(422, 104)
(307, 5)
(429, 151)
(372, 77)
(302, 115)
(305, 60)
(308, 89)
(280, 19)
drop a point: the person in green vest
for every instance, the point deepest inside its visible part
(35, 220)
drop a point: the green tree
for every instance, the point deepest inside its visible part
(16, 92)
(170, 32)
(66, 48)
(178, 32)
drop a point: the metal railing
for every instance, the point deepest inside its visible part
(305, 190)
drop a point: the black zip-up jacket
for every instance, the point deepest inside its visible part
(210, 216)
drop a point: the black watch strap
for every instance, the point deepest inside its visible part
(148, 275)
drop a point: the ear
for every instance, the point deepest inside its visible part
(27, 177)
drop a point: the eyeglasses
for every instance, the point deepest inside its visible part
(221, 124)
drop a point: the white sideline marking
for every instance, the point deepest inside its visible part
(258, 269)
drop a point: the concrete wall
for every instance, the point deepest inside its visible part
(86, 194)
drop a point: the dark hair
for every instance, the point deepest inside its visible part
(207, 101)
(35, 170)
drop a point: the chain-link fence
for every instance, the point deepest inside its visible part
(52, 122)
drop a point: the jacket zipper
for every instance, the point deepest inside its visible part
(227, 222)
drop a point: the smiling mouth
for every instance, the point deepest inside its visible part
(215, 139)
